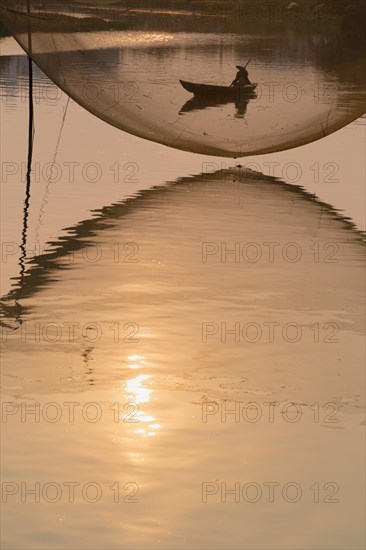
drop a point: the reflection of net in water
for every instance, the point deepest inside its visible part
(123, 64)
(246, 263)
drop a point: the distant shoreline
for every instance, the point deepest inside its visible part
(348, 17)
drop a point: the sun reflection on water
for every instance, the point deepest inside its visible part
(135, 388)
(137, 391)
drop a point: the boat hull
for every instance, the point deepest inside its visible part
(211, 90)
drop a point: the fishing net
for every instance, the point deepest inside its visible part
(123, 61)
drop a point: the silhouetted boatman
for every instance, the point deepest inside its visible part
(241, 78)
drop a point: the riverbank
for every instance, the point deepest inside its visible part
(345, 16)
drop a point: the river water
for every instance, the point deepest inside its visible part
(183, 336)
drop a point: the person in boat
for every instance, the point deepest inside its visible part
(241, 78)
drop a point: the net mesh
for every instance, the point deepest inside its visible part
(123, 62)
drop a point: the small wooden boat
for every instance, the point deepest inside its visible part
(205, 90)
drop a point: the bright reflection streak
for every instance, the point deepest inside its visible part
(140, 394)
(135, 388)
(141, 38)
(145, 418)
(135, 358)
